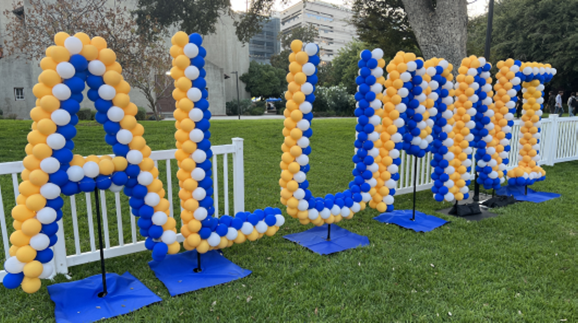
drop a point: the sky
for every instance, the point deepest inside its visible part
(477, 7)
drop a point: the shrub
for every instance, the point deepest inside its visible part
(280, 106)
(92, 114)
(1, 112)
(231, 107)
(141, 114)
(12, 116)
(333, 101)
(84, 114)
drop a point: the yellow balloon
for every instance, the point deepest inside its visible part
(35, 202)
(33, 269)
(49, 77)
(112, 78)
(60, 37)
(89, 51)
(98, 42)
(296, 45)
(25, 254)
(60, 54)
(31, 285)
(180, 39)
(31, 227)
(107, 56)
(203, 247)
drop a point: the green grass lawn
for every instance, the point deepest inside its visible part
(520, 266)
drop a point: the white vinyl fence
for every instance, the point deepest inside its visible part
(559, 143)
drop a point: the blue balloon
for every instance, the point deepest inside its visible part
(139, 191)
(44, 256)
(87, 184)
(50, 229)
(160, 251)
(12, 281)
(103, 182)
(196, 39)
(79, 62)
(75, 84)
(155, 231)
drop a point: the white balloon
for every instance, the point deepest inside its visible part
(303, 125)
(194, 94)
(191, 50)
(134, 157)
(303, 142)
(308, 69)
(199, 193)
(356, 207)
(50, 191)
(313, 214)
(261, 227)
(405, 77)
(214, 239)
(46, 215)
(145, 178)
(47, 271)
(335, 210)
(61, 92)
(300, 177)
(303, 205)
(377, 53)
(325, 213)
(307, 88)
(56, 140)
(91, 169)
(200, 213)
(388, 199)
(311, 49)
(192, 72)
(49, 165)
(305, 107)
(114, 114)
(65, 70)
(345, 211)
(115, 188)
(247, 228)
(39, 242)
(106, 92)
(299, 194)
(411, 66)
(199, 156)
(196, 114)
(96, 67)
(73, 44)
(302, 159)
(60, 117)
(196, 135)
(169, 237)
(280, 220)
(159, 218)
(124, 136)
(13, 266)
(152, 199)
(232, 234)
(198, 174)
(75, 173)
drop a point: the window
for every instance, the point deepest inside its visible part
(19, 93)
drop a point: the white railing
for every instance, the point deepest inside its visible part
(559, 144)
(82, 246)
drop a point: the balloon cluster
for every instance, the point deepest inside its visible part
(295, 194)
(534, 76)
(52, 169)
(368, 143)
(450, 164)
(203, 231)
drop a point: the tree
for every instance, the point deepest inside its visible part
(142, 54)
(264, 80)
(325, 74)
(345, 68)
(541, 31)
(200, 16)
(384, 24)
(306, 34)
(439, 26)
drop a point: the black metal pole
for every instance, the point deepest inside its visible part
(198, 269)
(526, 190)
(238, 100)
(414, 186)
(328, 232)
(99, 228)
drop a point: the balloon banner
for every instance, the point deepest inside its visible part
(201, 230)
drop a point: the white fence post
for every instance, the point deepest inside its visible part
(552, 148)
(238, 176)
(60, 264)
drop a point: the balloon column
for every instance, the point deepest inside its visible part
(203, 231)
(52, 169)
(534, 76)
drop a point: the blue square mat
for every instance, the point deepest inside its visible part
(176, 272)
(422, 223)
(78, 301)
(315, 239)
(519, 193)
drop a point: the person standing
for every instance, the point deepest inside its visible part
(551, 102)
(559, 107)
(519, 105)
(571, 104)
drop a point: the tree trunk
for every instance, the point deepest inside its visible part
(442, 31)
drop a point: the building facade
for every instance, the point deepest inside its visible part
(266, 43)
(332, 21)
(225, 54)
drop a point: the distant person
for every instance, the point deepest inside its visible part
(551, 102)
(572, 104)
(559, 106)
(519, 105)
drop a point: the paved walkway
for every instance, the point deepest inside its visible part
(263, 117)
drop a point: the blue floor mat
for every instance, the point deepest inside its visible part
(315, 239)
(176, 271)
(518, 192)
(78, 301)
(422, 223)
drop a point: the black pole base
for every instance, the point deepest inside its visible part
(328, 232)
(198, 269)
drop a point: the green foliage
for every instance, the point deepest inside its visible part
(264, 80)
(306, 34)
(1, 112)
(333, 101)
(84, 114)
(530, 30)
(517, 267)
(280, 106)
(325, 74)
(345, 68)
(11, 116)
(231, 107)
(141, 114)
(384, 24)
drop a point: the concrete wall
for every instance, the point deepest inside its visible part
(225, 54)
